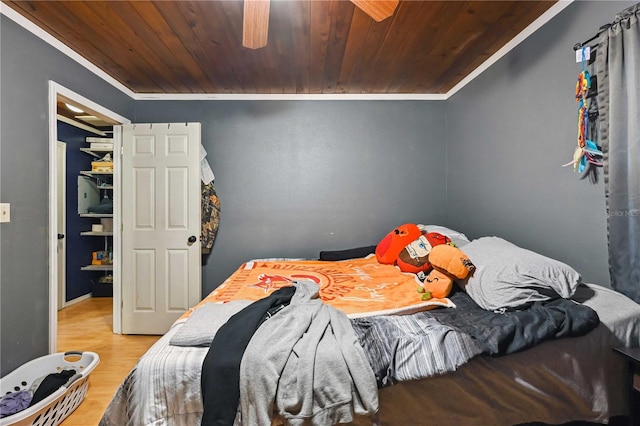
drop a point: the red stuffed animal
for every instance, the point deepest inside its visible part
(389, 247)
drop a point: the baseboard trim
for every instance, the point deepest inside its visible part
(77, 300)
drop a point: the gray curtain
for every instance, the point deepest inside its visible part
(618, 71)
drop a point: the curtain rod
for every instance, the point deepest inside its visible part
(578, 46)
(620, 16)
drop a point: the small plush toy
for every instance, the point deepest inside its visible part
(414, 257)
(448, 263)
(390, 246)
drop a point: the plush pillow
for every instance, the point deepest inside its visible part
(456, 237)
(389, 247)
(508, 276)
(414, 257)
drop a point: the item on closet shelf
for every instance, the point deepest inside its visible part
(101, 257)
(94, 139)
(105, 164)
(100, 145)
(97, 227)
(449, 263)
(101, 166)
(105, 207)
(96, 257)
(107, 224)
(106, 279)
(102, 287)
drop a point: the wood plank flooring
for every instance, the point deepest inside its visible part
(87, 326)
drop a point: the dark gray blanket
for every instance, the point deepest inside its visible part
(410, 347)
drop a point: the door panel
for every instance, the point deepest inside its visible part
(160, 212)
(143, 203)
(144, 283)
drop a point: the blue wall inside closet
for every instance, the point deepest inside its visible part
(79, 248)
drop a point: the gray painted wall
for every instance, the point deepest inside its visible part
(297, 177)
(24, 182)
(509, 132)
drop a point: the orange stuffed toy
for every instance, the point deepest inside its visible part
(390, 246)
(448, 263)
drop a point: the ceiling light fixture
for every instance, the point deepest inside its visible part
(74, 108)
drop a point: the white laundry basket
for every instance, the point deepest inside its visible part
(52, 410)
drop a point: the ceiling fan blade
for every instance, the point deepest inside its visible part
(378, 10)
(255, 23)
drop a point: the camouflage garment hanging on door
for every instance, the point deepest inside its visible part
(210, 216)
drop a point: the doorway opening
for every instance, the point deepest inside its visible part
(62, 101)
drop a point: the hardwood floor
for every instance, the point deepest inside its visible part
(86, 326)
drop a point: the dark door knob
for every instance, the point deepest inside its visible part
(60, 236)
(192, 239)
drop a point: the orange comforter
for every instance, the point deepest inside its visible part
(359, 287)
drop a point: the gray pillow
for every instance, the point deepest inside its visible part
(203, 324)
(508, 276)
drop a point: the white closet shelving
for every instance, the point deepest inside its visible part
(100, 188)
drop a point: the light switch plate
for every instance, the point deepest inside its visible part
(5, 212)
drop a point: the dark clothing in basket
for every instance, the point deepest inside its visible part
(50, 384)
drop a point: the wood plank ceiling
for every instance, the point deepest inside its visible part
(314, 46)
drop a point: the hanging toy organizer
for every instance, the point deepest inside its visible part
(587, 151)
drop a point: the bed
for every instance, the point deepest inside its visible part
(434, 362)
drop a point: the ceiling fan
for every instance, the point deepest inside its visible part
(255, 25)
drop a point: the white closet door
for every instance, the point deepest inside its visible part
(161, 264)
